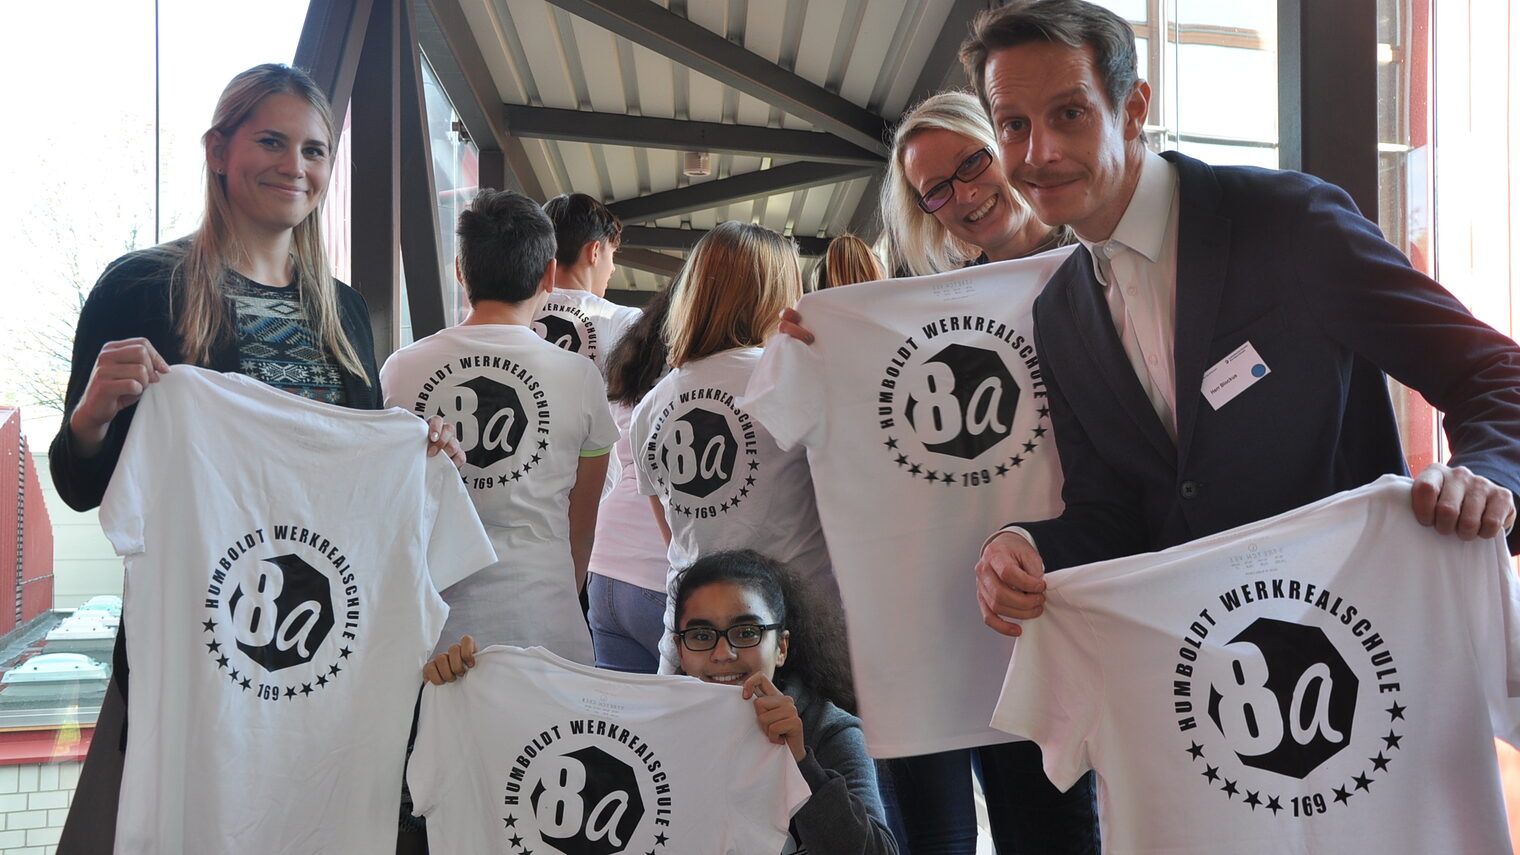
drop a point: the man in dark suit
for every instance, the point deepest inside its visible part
(1215, 353)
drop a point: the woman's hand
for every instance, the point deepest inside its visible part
(121, 374)
(791, 324)
(777, 714)
(450, 666)
(441, 438)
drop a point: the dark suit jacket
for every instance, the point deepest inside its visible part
(1284, 261)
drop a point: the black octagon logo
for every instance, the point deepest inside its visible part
(282, 615)
(561, 332)
(962, 401)
(1288, 705)
(500, 420)
(699, 452)
(588, 804)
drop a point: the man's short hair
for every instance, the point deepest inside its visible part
(578, 220)
(505, 244)
(1074, 23)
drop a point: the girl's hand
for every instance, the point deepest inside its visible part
(448, 667)
(121, 374)
(441, 438)
(777, 714)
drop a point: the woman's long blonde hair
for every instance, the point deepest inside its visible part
(848, 261)
(205, 319)
(731, 291)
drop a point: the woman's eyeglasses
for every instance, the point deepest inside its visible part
(699, 638)
(937, 196)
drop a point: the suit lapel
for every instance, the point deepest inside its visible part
(1203, 257)
(1095, 325)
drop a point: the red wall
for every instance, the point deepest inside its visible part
(26, 534)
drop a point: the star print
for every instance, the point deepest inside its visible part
(542, 444)
(932, 475)
(914, 469)
(723, 506)
(744, 491)
(1196, 750)
(209, 625)
(1211, 772)
(321, 679)
(233, 675)
(502, 480)
(244, 683)
(537, 458)
(1016, 460)
(1044, 411)
(1253, 800)
(1002, 469)
(1230, 789)
(305, 688)
(1392, 739)
(222, 662)
(948, 478)
(1029, 446)
(289, 692)
(1274, 805)
(333, 670)
(516, 841)
(1395, 711)
(749, 480)
(214, 646)
(1039, 431)
(1363, 782)
(527, 852)
(736, 501)
(1341, 796)
(516, 475)
(891, 442)
(343, 654)
(659, 840)
(1379, 763)
(753, 465)
(510, 820)
(902, 460)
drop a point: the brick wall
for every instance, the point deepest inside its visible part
(34, 801)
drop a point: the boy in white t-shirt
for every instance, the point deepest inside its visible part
(533, 422)
(578, 316)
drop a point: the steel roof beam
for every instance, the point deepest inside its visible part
(649, 260)
(692, 45)
(681, 135)
(682, 240)
(711, 194)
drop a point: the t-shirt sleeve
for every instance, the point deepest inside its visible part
(431, 754)
(765, 788)
(392, 378)
(134, 482)
(1493, 633)
(601, 430)
(787, 392)
(456, 542)
(639, 430)
(1050, 694)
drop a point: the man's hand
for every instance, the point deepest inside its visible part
(1010, 582)
(450, 666)
(791, 324)
(1455, 500)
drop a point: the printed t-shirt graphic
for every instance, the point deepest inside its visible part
(530, 753)
(722, 480)
(282, 564)
(524, 412)
(1327, 680)
(581, 322)
(923, 413)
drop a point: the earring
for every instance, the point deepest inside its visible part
(220, 171)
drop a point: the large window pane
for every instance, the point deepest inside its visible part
(1226, 92)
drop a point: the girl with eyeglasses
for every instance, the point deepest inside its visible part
(743, 620)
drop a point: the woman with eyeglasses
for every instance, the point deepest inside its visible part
(742, 620)
(947, 203)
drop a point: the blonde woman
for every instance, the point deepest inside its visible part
(249, 291)
(848, 261)
(716, 478)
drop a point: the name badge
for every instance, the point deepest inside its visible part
(1232, 375)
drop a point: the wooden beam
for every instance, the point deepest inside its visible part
(376, 223)
(711, 194)
(418, 192)
(682, 240)
(331, 40)
(650, 261)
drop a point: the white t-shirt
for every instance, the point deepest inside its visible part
(720, 476)
(524, 412)
(282, 564)
(581, 322)
(923, 414)
(530, 752)
(1327, 680)
(629, 546)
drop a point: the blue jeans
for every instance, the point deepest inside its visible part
(626, 624)
(931, 809)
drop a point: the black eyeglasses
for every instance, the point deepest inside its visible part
(699, 638)
(937, 196)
